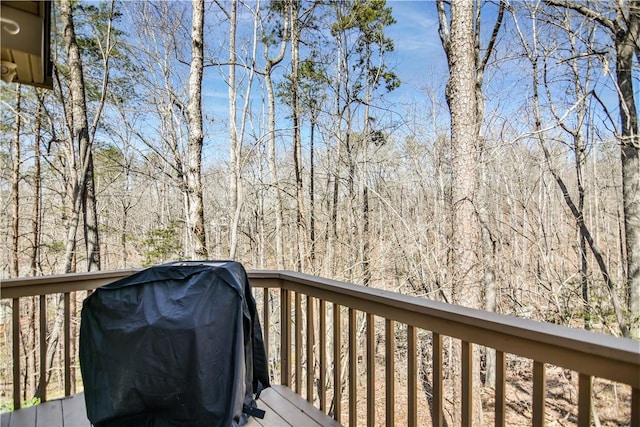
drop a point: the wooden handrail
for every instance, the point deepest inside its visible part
(590, 354)
(60, 283)
(600, 355)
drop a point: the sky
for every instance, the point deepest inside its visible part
(418, 50)
(418, 60)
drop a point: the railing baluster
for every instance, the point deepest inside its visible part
(43, 348)
(437, 411)
(467, 384)
(412, 380)
(310, 347)
(500, 389)
(17, 401)
(539, 387)
(67, 344)
(584, 400)
(371, 371)
(353, 369)
(285, 337)
(635, 407)
(266, 309)
(337, 364)
(298, 341)
(390, 371)
(322, 390)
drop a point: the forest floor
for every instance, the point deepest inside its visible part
(611, 401)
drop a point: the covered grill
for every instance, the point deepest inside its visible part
(179, 344)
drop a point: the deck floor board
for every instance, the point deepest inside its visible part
(23, 417)
(283, 408)
(50, 414)
(74, 412)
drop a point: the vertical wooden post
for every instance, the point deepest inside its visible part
(371, 371)
(467, 384)
(539, 386)
(437, 409)
(310, 348)
(67, 344)
(337, 364)
(412, 374)
(500, 407)
(17, 399)
(285, 337)
(390, 370)
(353, 369)
(43, 348)
(584, 400)
(266, 311)
(323, 355)
(298, 342)
(635, 407)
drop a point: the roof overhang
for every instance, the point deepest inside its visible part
(26, 42)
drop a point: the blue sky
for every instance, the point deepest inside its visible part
(419, 53)
(418, 59)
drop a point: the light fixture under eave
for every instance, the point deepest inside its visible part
(25, 41)
(8, 71)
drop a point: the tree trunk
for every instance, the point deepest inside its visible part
(91, 234)
(460, 94)
(273, 171)
(488, 246)
(271, 144)
(465, 227)
(79, 131)
(235, 186)
(297, 149)
(312, 207)
(37, 181)
(630, 157)
(15, 187)
(196, 137)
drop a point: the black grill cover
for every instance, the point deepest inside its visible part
(179, 344)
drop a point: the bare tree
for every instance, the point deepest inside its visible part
(623, 25)
(270, 63)
(458, 42)
(196, 137)
(457, 37)
(81, 135)
(37, 184)
(301, 241)
(15, 187)
(579, 87)
(79, 129)
(235, 143)
(535, 56)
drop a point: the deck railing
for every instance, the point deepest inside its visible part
(319, 332)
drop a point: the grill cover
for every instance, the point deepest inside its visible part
(179, 344)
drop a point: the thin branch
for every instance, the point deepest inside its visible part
(443, 26)
(106, 55)
(494, 36)
(586, 11)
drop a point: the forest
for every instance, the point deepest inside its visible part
(283, 135)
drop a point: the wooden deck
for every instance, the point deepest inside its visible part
(283, 408)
